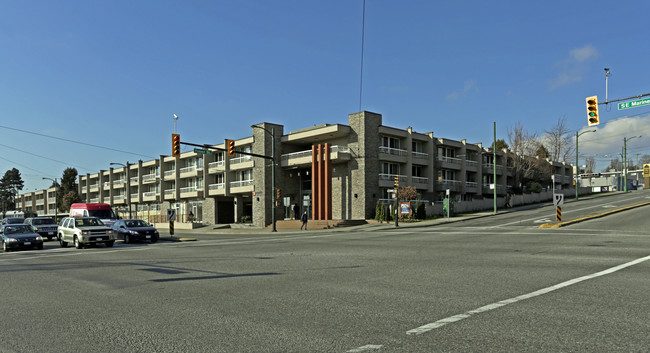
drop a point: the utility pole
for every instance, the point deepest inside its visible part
(577, 162)
(494, 165)
(625, 139)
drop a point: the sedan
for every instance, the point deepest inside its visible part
(131, 230)
(15, 236)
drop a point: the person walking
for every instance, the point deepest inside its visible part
(303, 219)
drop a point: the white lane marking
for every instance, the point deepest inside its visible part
(368, 347)
(428, 327)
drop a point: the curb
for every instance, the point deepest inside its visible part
(177, 239)
(578, 220)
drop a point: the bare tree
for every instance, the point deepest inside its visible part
(559, 142)
(523, 150)
(590, 165)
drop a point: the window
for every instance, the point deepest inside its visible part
(444, 174)
(417, 146)
(389, 168)
(417, 170)
(390, 142)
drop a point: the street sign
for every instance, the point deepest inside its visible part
(202, 151)
(171, 214)
(558, 199)
(633, 104)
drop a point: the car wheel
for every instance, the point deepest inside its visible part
(127, 239)
(64, 244)
(39, 247)
(154, 239)
(77, 243)
(4, 247)
(110, 243)
(49, 238)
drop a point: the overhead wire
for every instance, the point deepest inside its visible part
(47, 158)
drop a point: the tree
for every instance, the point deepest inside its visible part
(542, 152)
(10, 184)
(407, 193)
(68, 185)
(525, 165)
(645, 159)
(614, 164)
(590, 165)
(70, 198)
(559, 142)
(501, 145)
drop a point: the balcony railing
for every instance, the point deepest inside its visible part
(242, 159)
(118, 182)
(420, 180)
(150, 194)
(393, 151)
(216, 186)
(471, 163)
(420, 155)
(94, 200)
(307, 153)
(170, 191)
(149, 177)
(216, 164)
(240, 183)
(188, 169)
(169, 172)
(453, 160)
(189, 189)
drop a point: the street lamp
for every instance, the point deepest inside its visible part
(577, 163)
(175, 118)
(625, 139)
(273, 200)
(128, 185)
(56, 207)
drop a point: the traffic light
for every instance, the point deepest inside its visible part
(396, 180)
(176, 145)
(230, 145)
(592, 110)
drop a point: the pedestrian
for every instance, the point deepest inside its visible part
(303, 219)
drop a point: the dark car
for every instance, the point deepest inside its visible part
(131, 230)
(45, 226)
(13, 220)
(15, 236)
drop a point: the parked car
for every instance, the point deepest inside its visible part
(12, 220)
(15, 236)
(45, 226)
(131, 230)
(84, 231)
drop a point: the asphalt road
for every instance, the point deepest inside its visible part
(494, 284)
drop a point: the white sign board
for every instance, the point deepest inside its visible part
(171, 214)
(558, 199)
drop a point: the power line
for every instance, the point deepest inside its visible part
(48, 158)
(26, 167)
(77, 142)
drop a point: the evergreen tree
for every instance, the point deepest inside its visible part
(10, 184)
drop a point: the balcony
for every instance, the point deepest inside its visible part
(450, 162)
(94, 187)
(134, 180)
(388, 180)
(149, 178)
(244, 162)
(393, 154)
(215, 167)
(217, 189)
(241, 186)
(471, 186)
(191, 192)
(191, 171)
(452, 185)
(420, 182)
(169, 174)
(303, 158)
(120, 183)
(420, 155)
(472, 165)
(489, 168)
(40, 202)
(150, 196)
(94, 200)
(170, 194)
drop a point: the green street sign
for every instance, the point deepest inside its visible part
(633, 104)
(202, 151)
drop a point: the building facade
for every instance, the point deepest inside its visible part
(358, 169)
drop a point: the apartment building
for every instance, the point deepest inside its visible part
(332, 171)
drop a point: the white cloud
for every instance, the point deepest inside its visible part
(607, 142)
(470, 85)
(573, 67)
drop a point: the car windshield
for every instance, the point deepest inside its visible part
(102, 214)
(18, 229)
(85, 222)
(43, 221)
(136, 223)
(15, 220)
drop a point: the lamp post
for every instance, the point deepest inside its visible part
(577, 163)
(56, 207)
(625, 139)
(175, 118)
(128, 185)
(273, 200)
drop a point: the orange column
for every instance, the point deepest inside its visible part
(327, 183)
(314, 183)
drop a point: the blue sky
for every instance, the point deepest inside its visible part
(113, 73)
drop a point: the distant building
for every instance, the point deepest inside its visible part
(354, 169)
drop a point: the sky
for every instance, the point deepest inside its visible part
(87, 83)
